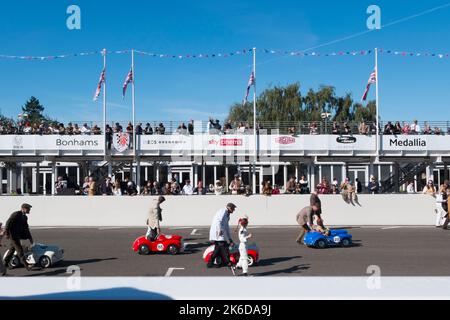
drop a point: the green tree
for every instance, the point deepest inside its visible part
(34, 110)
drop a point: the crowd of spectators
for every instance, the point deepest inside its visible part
(214, 127)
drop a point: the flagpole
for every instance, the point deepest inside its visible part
(104, 101)
(376, 102)
(132, 102)
(254, 122)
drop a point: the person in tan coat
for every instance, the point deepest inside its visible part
(153, 218)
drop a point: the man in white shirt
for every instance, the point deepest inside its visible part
(410, 188)
(85, 129)
(220, 235)
(415, 127)
(187, 189)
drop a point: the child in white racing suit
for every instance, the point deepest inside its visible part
(243, 236)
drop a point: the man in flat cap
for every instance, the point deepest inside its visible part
(153, 219)
(17, 229)
(220, 236)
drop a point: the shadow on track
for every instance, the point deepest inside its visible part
(294, 269)
(272, 261)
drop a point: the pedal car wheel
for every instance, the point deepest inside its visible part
(346, 242)
(218, 261)
(144, 249)
(321, 244)
(251, 261)
(14, 262)
(172, 249)
(45, 262)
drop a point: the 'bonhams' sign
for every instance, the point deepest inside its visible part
(415, 142)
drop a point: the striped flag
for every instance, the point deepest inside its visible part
(251, 82)
(128, 79)
(99, 86)
(372, 79)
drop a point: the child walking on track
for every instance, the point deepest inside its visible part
(243, 236)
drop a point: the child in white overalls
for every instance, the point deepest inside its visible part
(243, 236)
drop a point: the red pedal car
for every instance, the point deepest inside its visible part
(252, 252)
(171, 244)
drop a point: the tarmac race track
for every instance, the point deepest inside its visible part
(398, 251)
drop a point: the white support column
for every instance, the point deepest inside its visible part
(371, 169)
(428, 171)
(226, 179)
(195, 168)
(78, 175)
(415, 183)
(146, 173)
(1, 180)
(296, 171)
(204, 175)
(157, 173)
(21, 179)
(215, 174)
(344, 171)
(44, 183)
(261, 178)
(110, 168)
(320, 175)
(67, 171)
(53, 177)
(273, 176)
(138, 174)
(312, 181)
(284, 176)
(38, 176)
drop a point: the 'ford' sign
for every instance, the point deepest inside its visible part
(346, 139)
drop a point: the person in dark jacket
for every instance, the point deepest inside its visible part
(17, 229)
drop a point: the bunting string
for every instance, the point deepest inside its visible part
(234, 53)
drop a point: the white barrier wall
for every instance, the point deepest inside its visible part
(278, 210)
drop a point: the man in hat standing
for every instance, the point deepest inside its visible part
(220, 236)
(17, 229)
(153, 219)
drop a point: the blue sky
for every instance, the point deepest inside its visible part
(172, 89)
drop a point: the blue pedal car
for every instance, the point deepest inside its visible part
(335, 238)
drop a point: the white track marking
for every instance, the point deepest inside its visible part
(390, 228)
(170, 270)
(194, 233)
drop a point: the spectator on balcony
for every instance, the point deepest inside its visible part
(290, 185)
(437, 131)
(129, 131)
(191, 126)
(242, 128)
(117, 128)
(313, 129)
(388, 128)
(182, 129)
(139, 129)
(363, 128)
(303, 184)
(429, 188)
(276, 189)
(69, 129)
(76, 129)
(117, 190)
(397, 128)
(108, 136)
(96, 130)
(146, 191)
(415, 128)
(61, 129)
(358, 186)
(85, 129)
(291, 131)
(148, 129)
(218, 188)
(373, 185)
(267, 188)
(175, 187)
(200, 188)
(347, 129)
(335, 183)
(160, 129)
(427, 129)
(410, 188)
(27, 129)
(106, 188)
(166, 190)
(214, 126)
(60, 185)
(345, 188)
(156, 188)
(227, 127)
(54, 129)
(334, 189)
(85, 187)
(235, 185)
(335, 129)
(92, 191)
(324, 186)
(187, 190)
(406, 129)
